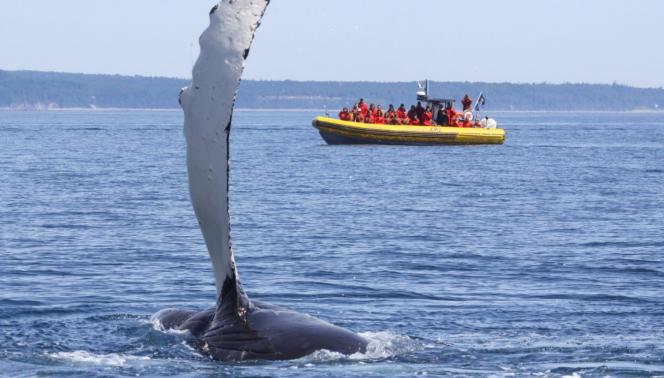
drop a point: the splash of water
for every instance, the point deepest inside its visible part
(82, 356)
(382, 345)
(157, 325)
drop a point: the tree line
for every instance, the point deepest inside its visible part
(31, 89)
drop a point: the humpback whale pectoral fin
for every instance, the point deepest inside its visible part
(208, 106)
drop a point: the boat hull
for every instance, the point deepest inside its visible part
(335, 131)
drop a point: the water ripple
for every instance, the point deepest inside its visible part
(541, 257)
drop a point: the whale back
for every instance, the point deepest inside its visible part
(208, 108)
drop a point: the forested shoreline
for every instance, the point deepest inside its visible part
(30, 90)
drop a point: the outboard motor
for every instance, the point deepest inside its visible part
(489, 123)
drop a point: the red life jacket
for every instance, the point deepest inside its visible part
(414, 121)
(426, 118)
(391, 117)
(452, 115)
(364, 109)
(344, 116)
(467, 103)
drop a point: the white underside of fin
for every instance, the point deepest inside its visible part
(208, 108)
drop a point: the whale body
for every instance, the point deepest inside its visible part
(237, 328)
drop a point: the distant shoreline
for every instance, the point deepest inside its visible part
(34, 90)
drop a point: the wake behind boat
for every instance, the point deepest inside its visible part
(370, 125)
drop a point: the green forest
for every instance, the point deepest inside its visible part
(38, 90)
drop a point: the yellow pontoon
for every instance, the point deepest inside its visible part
(335, 131)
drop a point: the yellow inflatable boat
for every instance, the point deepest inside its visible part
(335, 131)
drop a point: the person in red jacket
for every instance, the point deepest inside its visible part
(344, 115)
(402, 117)
(467, 119)
(412, 116)
(380, 115)
(426, 117)
(391, 116)
(452, 116)
(467, 103)
(364, 109)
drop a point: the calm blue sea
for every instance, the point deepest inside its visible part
(540, 257)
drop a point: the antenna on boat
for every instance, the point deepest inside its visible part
(423, 93)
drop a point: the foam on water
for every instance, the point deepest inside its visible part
(82, 356)
(382, 345)
(155, 321)
(157, 325)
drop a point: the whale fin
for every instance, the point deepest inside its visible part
(208, 107)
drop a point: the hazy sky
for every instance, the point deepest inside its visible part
(596, 41)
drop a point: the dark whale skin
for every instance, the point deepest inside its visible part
(267, 332)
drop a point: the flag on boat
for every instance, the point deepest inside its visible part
(480, 102)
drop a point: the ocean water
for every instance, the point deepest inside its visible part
(540, 257)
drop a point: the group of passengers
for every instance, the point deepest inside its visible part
(416, 115)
